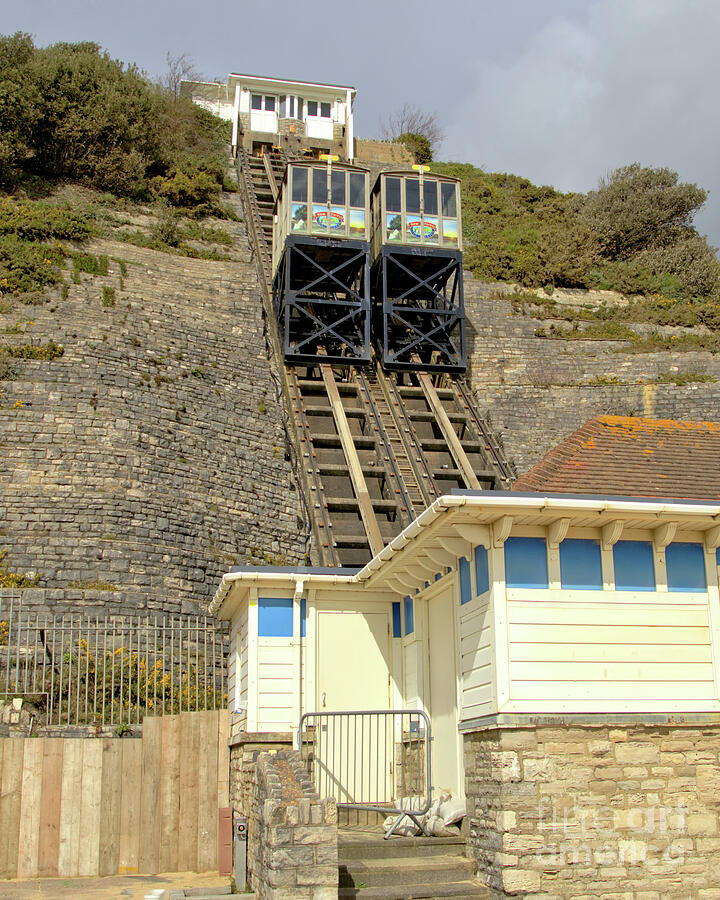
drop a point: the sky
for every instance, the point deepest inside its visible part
(559, 91)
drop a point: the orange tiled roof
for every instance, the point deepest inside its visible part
(632, 457)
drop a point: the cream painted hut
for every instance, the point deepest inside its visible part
(492, 607)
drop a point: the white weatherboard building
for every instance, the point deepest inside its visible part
(490, 608)
(274, 110)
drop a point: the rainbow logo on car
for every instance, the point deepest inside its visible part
(422, 230)
(332, 220)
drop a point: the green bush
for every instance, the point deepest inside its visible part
(26, 266)
(92, 265)
(40, 221)
(638, 208)
(187, 188)
(70, 111)
(166, 229)
(418, 145)
(48, 351)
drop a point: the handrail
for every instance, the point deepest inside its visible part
(270, 175)
(376, 760)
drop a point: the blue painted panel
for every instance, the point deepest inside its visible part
(465, 583)
(482, 576)
(685, 567)
(717, 556)
(409, 615)
(303, 617)
(438, 576)
(275, 617)
(526, 562)
(581, 564)
(397, 624)
(634, 566)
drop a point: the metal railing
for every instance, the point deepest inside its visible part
(374, 760)
(77, 669)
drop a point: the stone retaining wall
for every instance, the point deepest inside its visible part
(567, 811)
(538, 391)
(292, 833)
(151, 456)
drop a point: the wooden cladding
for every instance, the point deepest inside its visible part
(104, 806)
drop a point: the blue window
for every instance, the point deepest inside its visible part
(685, 567)
(275, 617)
(526, 562)
(717, 556)
(438, 576)
(581, 565)
(409, 615)
(303, 617)
(465, 586)
(397, 625)
(482, 576)
(634, 566)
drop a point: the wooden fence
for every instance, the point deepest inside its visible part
(106, 806)
(74, 669)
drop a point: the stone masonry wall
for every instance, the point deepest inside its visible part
(150, 457)
(538, 391)
(295, 853)
(627, 811)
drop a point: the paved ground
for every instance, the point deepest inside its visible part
(127, 887)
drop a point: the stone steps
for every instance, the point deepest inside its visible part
(398, 868)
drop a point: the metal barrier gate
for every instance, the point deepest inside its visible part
(373, 760)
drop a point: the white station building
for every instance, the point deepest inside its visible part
(490, 607)
(276, 111)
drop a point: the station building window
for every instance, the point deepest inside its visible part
(482, 574)
(275, 617)
(526, 562)
(685, 567)
(634, 566)
(396, 619)
(581, 565)
(465, 584)
(409, 611)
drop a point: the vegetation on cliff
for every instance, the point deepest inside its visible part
(69, 111)
(633, 234)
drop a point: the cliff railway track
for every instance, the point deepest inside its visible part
(372, 448)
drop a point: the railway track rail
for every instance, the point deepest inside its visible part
(372, 449)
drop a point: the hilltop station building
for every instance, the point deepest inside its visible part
(292, 114)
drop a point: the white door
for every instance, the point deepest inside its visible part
(353, 653)
(318, 120)
(263, 113)
(446, 747)
(353, 656)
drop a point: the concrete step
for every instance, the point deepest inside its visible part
(399, 847)
(460, 890)
(406, 871)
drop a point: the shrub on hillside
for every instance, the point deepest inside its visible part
(639, 208)
(40, 221)
(27, 266)
(70, 111)
(418, 145)
(186, 189)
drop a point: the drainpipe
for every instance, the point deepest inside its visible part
(236, 119)
(297, 673)
(349, 126)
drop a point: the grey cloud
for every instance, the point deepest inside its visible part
(627, 80)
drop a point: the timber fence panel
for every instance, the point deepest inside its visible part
(105, 806)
